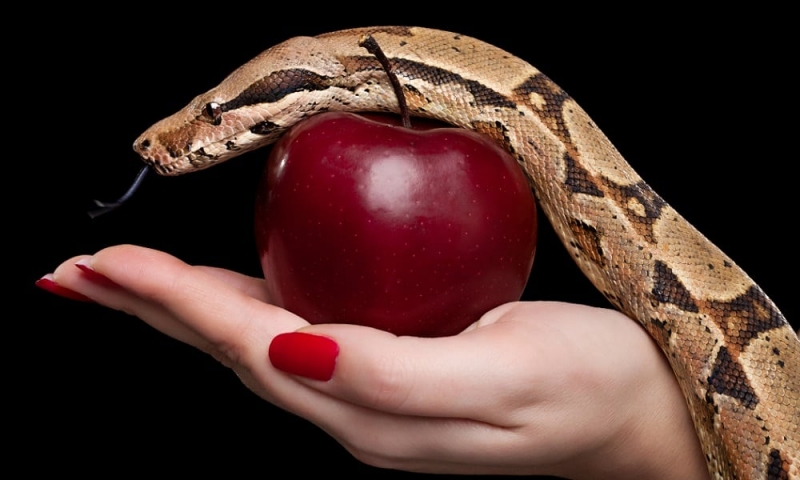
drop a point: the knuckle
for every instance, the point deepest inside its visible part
(227, 353)
(233, 346)
(387, 382)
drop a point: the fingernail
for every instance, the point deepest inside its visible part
(47, 284)
(92, 276)
(311, 356)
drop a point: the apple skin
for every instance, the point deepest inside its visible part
(416, 232)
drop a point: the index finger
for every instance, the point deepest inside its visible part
(219, 308)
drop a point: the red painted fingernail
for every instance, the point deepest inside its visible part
(311, 356)
(47, 284)
(92, 276)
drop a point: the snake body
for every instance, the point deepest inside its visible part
(735, 355)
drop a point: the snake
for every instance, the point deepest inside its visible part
(734, 354)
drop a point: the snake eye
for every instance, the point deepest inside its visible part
(214, 112)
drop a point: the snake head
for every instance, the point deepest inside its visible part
(251, 108)
(208, 131)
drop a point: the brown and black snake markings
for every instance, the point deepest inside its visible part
(734, 354)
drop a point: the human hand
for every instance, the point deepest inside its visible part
(532, 388)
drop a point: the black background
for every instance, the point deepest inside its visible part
(698, 102)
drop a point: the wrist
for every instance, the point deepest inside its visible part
(653, 435)
(658, 438)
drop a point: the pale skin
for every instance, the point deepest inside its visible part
(532, 388)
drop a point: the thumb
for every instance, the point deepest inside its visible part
(490, 363)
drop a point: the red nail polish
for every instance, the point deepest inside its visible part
(47, 284)
(93, 276)
(311, 356)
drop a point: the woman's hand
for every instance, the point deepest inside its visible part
(532, 388)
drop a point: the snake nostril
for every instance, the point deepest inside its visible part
(145, 144)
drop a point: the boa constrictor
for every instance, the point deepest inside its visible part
(736, 357)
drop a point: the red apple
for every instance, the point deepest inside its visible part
(416, 232)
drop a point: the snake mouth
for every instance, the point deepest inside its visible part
(174, 166)
(164, 164)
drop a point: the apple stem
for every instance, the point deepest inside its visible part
(106, 207)
(372, 47)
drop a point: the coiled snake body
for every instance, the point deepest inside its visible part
(733, 352)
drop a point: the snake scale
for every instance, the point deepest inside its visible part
(735, 355)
